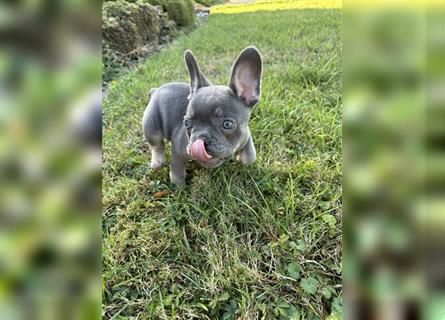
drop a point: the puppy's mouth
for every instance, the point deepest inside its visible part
(198, 152)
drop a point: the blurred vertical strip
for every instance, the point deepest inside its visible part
(394, 160)
(50, 159)
(432, 204)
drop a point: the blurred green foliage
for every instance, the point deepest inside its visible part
(393, 135)
(161, 2)
(128, 26)
(49, 169)
(209, 3)
(181, 11)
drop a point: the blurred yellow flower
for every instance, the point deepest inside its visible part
(277, 5)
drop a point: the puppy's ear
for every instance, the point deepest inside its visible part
(197, 79)
(246, 76)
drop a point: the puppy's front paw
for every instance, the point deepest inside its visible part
(246, 159)
(247, 155)
(177, 178)
(157, 160)
(156, 165)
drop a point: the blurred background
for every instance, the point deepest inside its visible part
(394, 160)
(50, 158)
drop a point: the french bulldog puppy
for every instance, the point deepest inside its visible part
(204, 122)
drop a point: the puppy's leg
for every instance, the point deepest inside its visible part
(153, 133)
(247, 154)
(177, 169)
(157, 153)
(179, 157)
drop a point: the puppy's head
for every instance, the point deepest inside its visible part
(217, 115)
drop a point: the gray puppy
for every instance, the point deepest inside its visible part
(204, 122)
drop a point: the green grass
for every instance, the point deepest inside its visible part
(258, 242)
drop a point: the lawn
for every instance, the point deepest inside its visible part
(257, 242)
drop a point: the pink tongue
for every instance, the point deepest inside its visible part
(198, 151)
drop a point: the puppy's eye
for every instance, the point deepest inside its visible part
(187, 123)
(228, 124)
